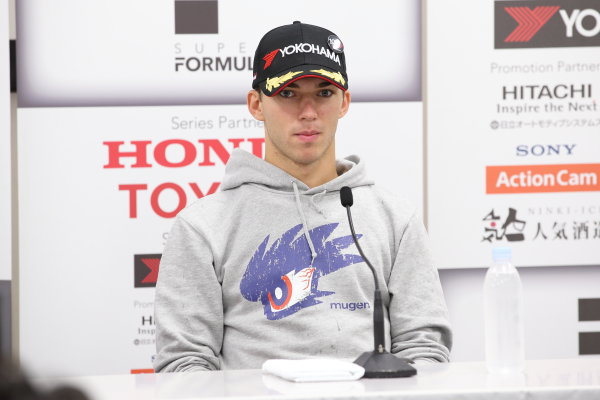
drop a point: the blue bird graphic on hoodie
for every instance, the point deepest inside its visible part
(283, 278)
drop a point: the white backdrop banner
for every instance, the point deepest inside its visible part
(99, 183)
(5, 169)
(199, 52)
(513, 131)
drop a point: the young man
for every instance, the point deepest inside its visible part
(266, 268)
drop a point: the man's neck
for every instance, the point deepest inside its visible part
(312, 175)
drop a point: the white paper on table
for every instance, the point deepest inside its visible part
(313, 370)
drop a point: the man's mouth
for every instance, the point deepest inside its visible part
(307, 135)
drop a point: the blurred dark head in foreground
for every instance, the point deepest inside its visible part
(14, 385)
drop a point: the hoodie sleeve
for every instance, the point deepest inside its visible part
(419, 324)
(188, 305)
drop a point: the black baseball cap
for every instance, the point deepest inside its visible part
(291, 52)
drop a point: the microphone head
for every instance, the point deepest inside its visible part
(346, 196)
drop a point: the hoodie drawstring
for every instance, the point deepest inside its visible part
(304, 224)
(312, 200)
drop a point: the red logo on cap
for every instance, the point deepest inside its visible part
(269, 58)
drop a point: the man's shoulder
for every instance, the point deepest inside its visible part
(207, 206)
(394, 202)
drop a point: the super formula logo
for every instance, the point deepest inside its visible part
(547, 23)
(283, 278)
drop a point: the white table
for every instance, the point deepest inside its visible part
(543, 379)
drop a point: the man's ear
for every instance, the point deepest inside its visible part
(255, 105)
(345, 103)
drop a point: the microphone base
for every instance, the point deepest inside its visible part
(384, 365)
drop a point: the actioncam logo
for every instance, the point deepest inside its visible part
(196, 16)
(283, 279)
(547, 23)
(145, 267)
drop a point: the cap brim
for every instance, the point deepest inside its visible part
(274, 85)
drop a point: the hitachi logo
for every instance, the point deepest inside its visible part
(532, 92)
(310, 48)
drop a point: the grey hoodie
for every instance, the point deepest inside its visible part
(266, 268)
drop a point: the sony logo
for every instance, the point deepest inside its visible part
(539, 150)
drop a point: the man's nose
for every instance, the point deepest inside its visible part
(308, 109)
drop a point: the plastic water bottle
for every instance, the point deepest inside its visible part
(503, 302)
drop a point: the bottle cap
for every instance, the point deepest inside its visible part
(501, 254)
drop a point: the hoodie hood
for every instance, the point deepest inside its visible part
(246, 168)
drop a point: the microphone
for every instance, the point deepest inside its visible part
(346, 196)
(377, 363)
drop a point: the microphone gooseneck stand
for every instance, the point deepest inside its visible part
(377, 363)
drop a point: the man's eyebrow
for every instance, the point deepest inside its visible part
(324, 83)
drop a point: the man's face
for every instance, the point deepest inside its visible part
(300, 121)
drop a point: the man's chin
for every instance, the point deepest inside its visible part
(307, 158)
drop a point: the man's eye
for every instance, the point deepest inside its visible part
(286, 93)
(325, 93)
